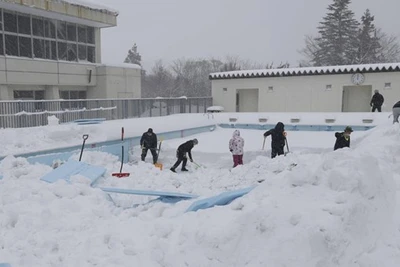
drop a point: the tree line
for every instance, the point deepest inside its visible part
(341, 40)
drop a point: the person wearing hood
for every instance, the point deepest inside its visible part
(183, 149)
(236, 145)
(149, 141)
(377, 101)
(343, 138)
(278, 138)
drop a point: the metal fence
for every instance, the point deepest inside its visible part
(31, 113)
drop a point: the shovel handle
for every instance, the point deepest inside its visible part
(85, 137)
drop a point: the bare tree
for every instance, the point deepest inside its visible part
(389, 50)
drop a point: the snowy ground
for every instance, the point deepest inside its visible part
(332, 209)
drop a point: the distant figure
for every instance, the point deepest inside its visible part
(343, 138)
(236, 145)
(278, 135)
(396, 112)
(149, 141)
(377, 101)
(181, 154)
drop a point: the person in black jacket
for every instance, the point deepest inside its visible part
(149, 141)
(396, 112)
(377, 101)
(278, 136)
(181, 154)
(343, 138)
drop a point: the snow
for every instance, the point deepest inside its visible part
(307, 70)
(92, 5)
(335, 208)
(121, 65)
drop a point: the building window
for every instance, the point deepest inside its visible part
(73, 95)
(225, 89)
(24, 24)
(10, 22)
(270, 89)
(29, 95)
(25, 47)
(388, 85)
(328, 87)
(38, 37)
(11, 45)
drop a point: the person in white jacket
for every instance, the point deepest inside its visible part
(236, 145)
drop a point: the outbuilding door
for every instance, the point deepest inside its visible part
(247, 100)
(356, 98)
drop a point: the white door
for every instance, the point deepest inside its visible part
(356, 98)
(247, 100)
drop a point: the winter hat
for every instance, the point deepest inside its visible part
(348, 129)
(150, 130)
(195, 141)
(376, 91)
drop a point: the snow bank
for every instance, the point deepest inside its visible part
(332, 209)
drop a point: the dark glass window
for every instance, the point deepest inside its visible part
(37, 26)
(1, 45)
(47, 49)
(82, 34)
(90, 35)
(61, 30)
(50, 28)
(64, 94)
(10, 22)
(90, 54)
(73, 94)
(39, 48)
(24, 24)
(23, 94)
(39, 95)
(71, 31)
(11, 45)
(53, 50)
(25, 47)
(62, 51)
(72, 56)
(82, 52)
(1, 21)
(82, 95)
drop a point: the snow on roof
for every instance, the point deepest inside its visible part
(345, 69)
(121, 65)
(92, 4)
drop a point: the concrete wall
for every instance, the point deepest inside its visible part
(64, 11)
(117, 82)
(303, 93)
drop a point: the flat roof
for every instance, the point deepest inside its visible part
(82, 12)
(328, 70)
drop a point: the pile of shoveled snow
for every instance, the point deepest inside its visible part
(332, 209)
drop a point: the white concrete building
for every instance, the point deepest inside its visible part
(316, 89)
(52, 50)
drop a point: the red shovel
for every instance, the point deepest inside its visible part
(121, 174)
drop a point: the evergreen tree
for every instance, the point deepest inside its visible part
(338, 42)
(369, 46)
(133, 56)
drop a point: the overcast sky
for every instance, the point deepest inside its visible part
(259, 30)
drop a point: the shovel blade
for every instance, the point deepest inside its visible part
(121, 174)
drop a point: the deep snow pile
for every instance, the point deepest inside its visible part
(332, 209)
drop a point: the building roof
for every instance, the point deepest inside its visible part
(329, 70)
(91, 4)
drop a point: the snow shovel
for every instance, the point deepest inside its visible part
(85, 137)
(121, 174)
(287, 146)
(198, 165)
(264, 143)
(158, 164)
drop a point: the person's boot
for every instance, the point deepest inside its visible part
(185, 170)
(172, 170)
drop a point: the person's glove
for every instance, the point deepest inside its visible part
(143, 147)
(191, 160)
(265, 135)
(231, 150)
(284, 134)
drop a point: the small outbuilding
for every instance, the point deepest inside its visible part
(313, 89)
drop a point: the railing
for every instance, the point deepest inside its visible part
(31, 113)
